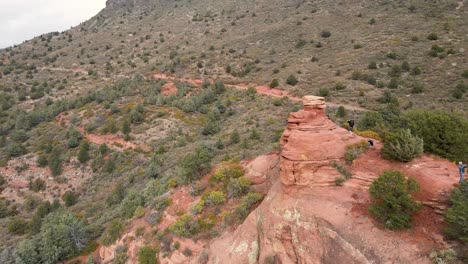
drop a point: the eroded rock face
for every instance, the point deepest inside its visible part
(310, 142)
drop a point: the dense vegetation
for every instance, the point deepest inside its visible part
(392, 202)
(182, 156)
(457, 214)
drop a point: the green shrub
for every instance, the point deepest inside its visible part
(187, 252)
(432, 36)
(445, 256)
(74, 137)
(325, 34)
(214, 197)
(55, 163)
(17, 226)
(342, 170)
(83, 153)
(226, 172)
(291, 80)
(459, 90)
(120, 255)
(457, 215)
(235, 137)
(112, 232)
(444, 133)
(14, 149)
(340, 86)
(341, 111)
(300, 43)
(371, 120)
(243, 209)
(62, 237)
(274, 83)
(357, 46)
(417, 88)
(238, 187)
(465, 74)
(324, 92)
(198, 207)
(42, 160)
(117, 195)
(392, 55)
(354, 150)
(139, 212)
(69, 198)
(402, 146)
(372, 65)
(147, 255)
(416, 71)
(185, 226)
(196, 165)
(37, 185)
(154, 168)
(277, 102)
(392, 202)
(2, 180)
(130, 203)
(4, 209)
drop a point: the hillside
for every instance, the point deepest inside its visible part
(258, 41)
(159, 128)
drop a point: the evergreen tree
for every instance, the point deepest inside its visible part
(74, 137)
(341, 112)
(126, 129)
(235, 137)
(55, 163)
(83, 154)
(154, 168)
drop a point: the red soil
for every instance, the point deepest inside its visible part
(111, 140)
(169, 89)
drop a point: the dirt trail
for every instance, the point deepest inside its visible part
(261, 89)
(111, 140)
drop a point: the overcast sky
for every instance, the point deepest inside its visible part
(21, 20)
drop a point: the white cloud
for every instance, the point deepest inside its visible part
(21, 20)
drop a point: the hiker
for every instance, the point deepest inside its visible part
(461, 168)
(371, 143)
(351, 125)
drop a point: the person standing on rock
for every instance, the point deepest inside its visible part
(461, 168)
(351, 125)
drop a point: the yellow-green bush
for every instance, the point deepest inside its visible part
(214, 197)
(369, 134)
(227, 172)
(139, 212)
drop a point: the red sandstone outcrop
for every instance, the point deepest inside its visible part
(305, 218)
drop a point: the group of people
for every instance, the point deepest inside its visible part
(461, 166)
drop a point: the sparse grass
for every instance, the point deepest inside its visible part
(346, 174)
(354, 150)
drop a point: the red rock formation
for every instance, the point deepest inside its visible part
(305, 218)
(310, 142)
